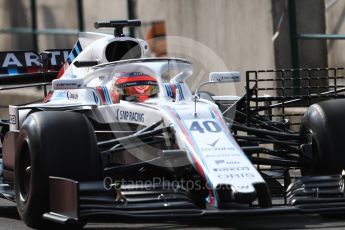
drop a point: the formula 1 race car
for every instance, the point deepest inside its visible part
(122, 136)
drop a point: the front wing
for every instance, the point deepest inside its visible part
(71, 201)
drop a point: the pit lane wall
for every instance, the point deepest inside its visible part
(237, 31)
(335, 24)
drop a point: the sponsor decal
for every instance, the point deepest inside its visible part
(205, 126)
(72, 95)
(129, 74)
(213, 149)
(68, 84)
(130, 116)
(221, 155)
(19, 59)
(236, 176)
(30, 58)
(243, 187)
(213, 144)
(231, 169)
(13, 119)
(218, 162)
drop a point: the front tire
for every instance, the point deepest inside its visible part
(325, 123)
(61, 144)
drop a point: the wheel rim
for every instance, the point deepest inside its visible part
(25, 173)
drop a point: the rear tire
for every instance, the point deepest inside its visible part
(325, 122)
(61, 144)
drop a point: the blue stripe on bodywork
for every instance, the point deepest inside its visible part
(178, 85)
(12, 70)
(167, 89)
(106, 95)
(171, 92)
(95, 97)
(75, 52)
(71, 56)
(78, 47)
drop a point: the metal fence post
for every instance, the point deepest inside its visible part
(131, 15)
(294, 44)
(80, 12)
(34, 25)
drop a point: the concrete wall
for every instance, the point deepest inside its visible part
(237, 33)
(310, 18)
(63, 14)
(54, 14)
(8, 19)
(102, 10)
(335, 24)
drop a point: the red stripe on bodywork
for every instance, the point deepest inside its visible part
(196, 160)
(101, 93)
(32, 69)
(62, 70)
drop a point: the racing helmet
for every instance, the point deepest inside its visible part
(134, 86)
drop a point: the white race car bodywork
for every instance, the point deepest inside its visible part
(199, 126)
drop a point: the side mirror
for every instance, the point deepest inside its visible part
(233, 76)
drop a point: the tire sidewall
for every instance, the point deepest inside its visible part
(37, 200)
(61, 144)
(324, 122)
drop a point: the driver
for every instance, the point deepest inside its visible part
(133, 86)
